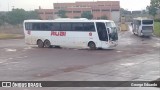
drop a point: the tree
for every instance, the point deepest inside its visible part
(1, 22)
(16, 16)
(104, 17)
(155, 3)
(144, 12)
(124, 12)
(76, 17)
(152, 10)
(62, 13)
(154, 6)
(32, 15)
(3, 18)
(87, 14)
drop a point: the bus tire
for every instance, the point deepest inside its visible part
(40, 43)
(47, 44)
(92, 45)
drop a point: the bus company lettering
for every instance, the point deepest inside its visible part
(57, 33)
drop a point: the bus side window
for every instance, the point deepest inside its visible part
(77, 26)
(45, 26)
(36, 26)
(55, 27)
(28, 26)
(65, 26)
(89, 27)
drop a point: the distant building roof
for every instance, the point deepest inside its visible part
(136, 12)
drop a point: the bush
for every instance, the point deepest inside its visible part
(157, 20)
(157, 28)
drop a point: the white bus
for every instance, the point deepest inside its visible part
(75, 33)
(143, 26)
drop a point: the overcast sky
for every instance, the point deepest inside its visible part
(6, 5)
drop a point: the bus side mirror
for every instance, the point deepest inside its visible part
(109, 30)
(131, 23)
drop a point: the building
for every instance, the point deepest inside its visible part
(110, 9)
(45, 14)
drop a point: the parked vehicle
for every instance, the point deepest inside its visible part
(143, 26)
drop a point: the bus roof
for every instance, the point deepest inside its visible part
(69, 20)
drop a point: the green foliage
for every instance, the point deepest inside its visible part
(62, 13)
(154, 6)
(32, 15)
(157, 20)
(157, 28)
(17, 16)
(76, 17)
(104, 17)
(155, 3)
(87, 15)
(152, 10)
(124, 12)
(2, 19)
(1, 22)
(144, 12)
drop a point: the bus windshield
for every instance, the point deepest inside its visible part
(147, 21)
(113, 34)
(110, 24)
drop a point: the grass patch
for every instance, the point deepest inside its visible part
(157, 28)
(10, 36)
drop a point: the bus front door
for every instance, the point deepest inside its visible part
(102, 33)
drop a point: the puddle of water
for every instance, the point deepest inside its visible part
(25, 56)
(10, 58)
(19, 57)
(6, 63)
(27, 48)
(75, 49)
(128, 64)
(156, 45)
(22, 57)
(38, 75)
(9, 68)
(118, 51)
(1, 62)
(14, 62)
(10, 50)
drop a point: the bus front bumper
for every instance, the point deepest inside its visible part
(109, 45)
(113, 44)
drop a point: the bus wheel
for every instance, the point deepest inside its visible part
(47, 44)
(92, 45)
(40, 43)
